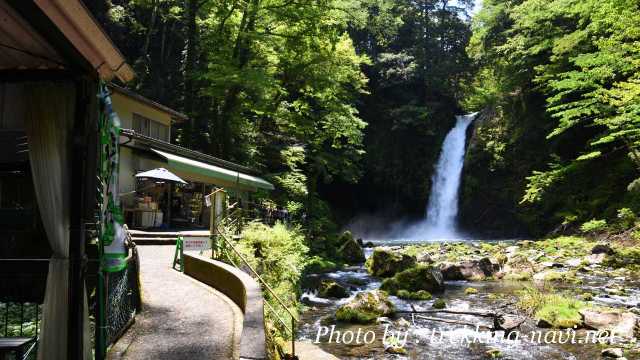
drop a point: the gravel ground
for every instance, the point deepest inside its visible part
(181, 317)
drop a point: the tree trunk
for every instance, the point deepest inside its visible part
(189, 70)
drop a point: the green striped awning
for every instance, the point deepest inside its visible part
(214, 174)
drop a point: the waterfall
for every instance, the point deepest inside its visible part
(442, 209)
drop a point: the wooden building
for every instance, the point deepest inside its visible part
(53, 58)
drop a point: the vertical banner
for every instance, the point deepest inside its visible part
(112, 235)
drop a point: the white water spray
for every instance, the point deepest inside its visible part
(442, 210)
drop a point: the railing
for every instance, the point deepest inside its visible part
(123, 299)
(229, 244)
(20, 319)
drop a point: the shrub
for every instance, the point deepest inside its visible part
(593, 226)
(278, 255)
(626, 217)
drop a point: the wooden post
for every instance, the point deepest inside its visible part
(169, 203)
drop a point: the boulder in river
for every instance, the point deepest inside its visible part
(469, 270)
(331, 289)
(508, 323)
(602, 249)
(623, 324)
(595, 258)
(350, 251)
(420, 277)
(424, 257)
(385, 263)
(614, 353)
(366, 307)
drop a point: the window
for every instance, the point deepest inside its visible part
(148, 127)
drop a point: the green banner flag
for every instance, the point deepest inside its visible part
(112, 235)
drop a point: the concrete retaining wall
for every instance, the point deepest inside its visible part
(241, 289)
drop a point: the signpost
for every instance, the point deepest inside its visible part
(217, 201)
(189, 243)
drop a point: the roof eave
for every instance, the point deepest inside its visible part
(81, 29)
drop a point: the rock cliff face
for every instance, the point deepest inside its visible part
(505, 145)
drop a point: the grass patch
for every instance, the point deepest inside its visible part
(565, 246)
(557, 310)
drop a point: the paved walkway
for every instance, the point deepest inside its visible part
(181, 317)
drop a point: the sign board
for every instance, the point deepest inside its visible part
(196, 243)
(207, 200)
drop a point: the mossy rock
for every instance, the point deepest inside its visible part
(331, 289)
(586, 296)
(626, 257)
(386, 263)
(365, 308)
(558, 276)
(350, 251)
(439, 304)
(518, 276)
(318, 265)
(417, 295)
(420, 277)
(470, 291)
(494, 354)
(560, 312)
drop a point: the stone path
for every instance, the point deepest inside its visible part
(181, 317)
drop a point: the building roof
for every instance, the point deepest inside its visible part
(30, 30)
(176, 115)
(146, 143)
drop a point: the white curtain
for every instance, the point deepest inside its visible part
(48, 123)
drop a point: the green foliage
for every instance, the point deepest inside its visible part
(593, 226)
(278, 254)
(317, 265)
(568, 68)
(626, 217)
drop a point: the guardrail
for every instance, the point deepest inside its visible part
(294, 319)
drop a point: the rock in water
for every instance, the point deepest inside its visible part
(386, 263)
(350, 250)
(615, 353)
(508, 323)
(366, 307)
(602, 249)
(424, 257)
(621, 323)
(331, 289)
(469, 270)
(420, 277)
(595, 258)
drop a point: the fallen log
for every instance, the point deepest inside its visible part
(445, 311)
(457, 322)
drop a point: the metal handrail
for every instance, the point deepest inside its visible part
(294, 318)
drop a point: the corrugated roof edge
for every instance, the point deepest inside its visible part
(188, 153)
